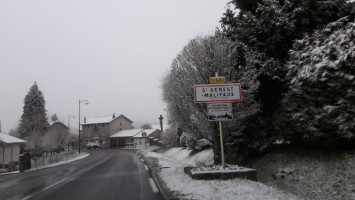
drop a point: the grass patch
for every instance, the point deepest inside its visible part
(308, 174)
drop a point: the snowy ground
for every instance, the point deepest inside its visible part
(174, 160)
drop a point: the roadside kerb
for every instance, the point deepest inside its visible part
(153, 175)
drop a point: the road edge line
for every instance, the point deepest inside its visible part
(155, 179)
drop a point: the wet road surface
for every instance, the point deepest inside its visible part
(105, 174)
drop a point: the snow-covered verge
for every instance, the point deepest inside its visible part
(309, 174)
(171, 173)
(70, 159)
(74, 157)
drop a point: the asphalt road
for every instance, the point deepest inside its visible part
(105, 174)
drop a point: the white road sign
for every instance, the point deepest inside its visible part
(218, 93)
(219, 111)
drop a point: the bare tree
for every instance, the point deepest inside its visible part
(200, 59)
(169, 138)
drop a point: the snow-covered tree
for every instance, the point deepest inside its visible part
(34, 144)
(54, 118)
(33, 119)
(196, 63)
(169, 138)
(55, 139)
(263, 32)
(146, 126)
(319, 108)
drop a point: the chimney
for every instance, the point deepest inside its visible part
(113, 116)
(84, 120)
(161, 122)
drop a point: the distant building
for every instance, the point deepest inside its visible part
(58, 127)
(60, 132)
(135, 138)
(99, 129)
(9, 149)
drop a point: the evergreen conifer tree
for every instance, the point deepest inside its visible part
(33, 119)
(54, 118)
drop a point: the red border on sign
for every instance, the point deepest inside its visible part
(214, 85)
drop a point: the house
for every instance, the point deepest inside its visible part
(9, 149)
(135, 138)
(58, 127)
(60, 132)
(99, 129)
(146, 137)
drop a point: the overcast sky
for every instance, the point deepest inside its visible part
(113, 53)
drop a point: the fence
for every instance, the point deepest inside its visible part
(52, 158)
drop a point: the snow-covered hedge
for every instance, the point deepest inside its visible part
(319, 108)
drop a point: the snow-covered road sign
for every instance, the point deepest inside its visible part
(217, 93)
(219, 111)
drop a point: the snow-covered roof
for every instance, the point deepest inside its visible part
(148, 131)
(126, 133)
(103, 119)
(99, 120)
(135, 133)
(8, 139)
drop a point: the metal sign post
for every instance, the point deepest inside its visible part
(221, 139)
(220, 80)
(218, 95)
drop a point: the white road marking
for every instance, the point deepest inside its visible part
(26, 197)
(54, 184)
(146, 167)
(142, 160)
(153, 185)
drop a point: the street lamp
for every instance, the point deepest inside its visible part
(86, 103)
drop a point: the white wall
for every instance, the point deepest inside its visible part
(9, 153)
(140, 143)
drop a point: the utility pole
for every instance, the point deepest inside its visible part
(86, 103)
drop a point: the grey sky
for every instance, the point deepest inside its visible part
(112, 52)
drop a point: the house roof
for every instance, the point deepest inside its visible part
(103, 120)
(126, 118)
(59, 123)
(126, 133)
(8, 139)
(148, 131)
(135, 133)
(99, 120)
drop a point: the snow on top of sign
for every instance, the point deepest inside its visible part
(10, 139)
